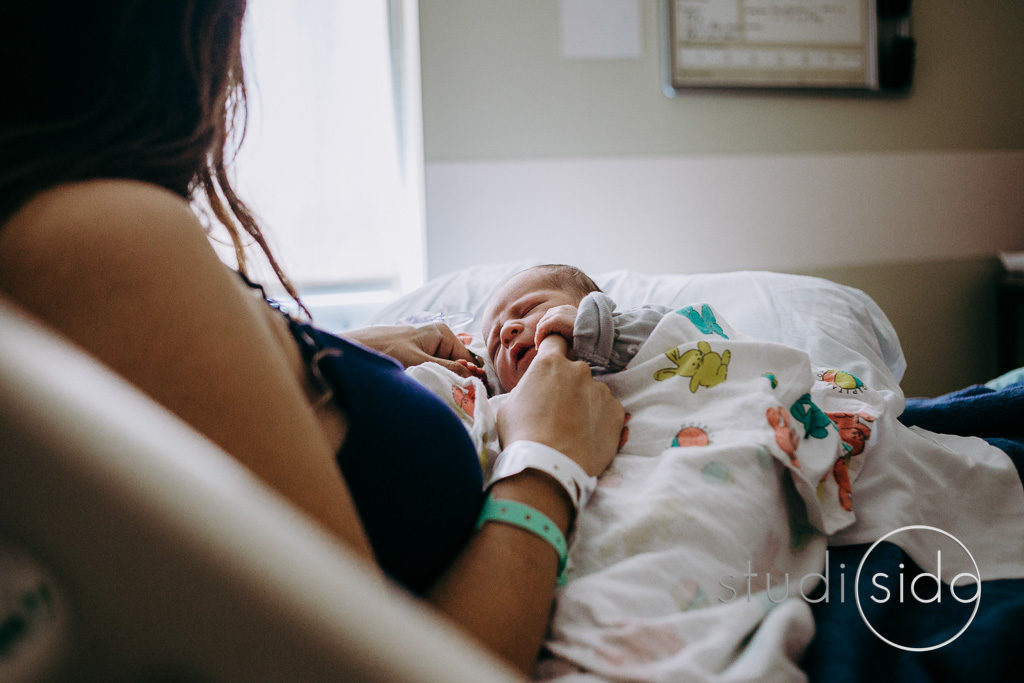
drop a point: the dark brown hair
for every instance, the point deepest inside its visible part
(149, 90)
(568, 278)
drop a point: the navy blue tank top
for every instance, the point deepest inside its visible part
(407, 459)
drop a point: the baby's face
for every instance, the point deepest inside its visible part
(510, 322)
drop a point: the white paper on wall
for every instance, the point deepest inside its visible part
(600, 29)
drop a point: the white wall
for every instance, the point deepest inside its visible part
(684, 213)
(529, 153)
(495, 86)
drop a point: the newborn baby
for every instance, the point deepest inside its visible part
(729, 476)
(563, 300)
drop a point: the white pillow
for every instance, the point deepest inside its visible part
(465, 291)
(838, 326)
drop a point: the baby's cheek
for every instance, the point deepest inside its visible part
(501, 374)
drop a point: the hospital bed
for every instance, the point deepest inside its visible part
(951, 481)
(131, 548)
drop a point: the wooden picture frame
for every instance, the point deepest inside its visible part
(788, 44)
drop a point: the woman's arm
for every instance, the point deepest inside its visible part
(501, 587)
(125, 271)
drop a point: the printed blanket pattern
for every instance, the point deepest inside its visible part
(736, 462)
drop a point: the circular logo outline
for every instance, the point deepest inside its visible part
(907, 648)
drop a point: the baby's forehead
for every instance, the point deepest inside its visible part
(514, 288)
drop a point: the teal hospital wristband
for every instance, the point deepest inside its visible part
(525, 517)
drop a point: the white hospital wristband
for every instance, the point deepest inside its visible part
(523, 455)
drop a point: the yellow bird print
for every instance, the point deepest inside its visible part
(704, 367)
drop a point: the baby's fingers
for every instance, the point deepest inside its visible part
(460, 368)
(559, 320)
(473, 370)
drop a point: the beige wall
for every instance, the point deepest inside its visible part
(525, 148)
(495, 86)
(944, 313)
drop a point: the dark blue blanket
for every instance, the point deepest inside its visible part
(995, 415)
(974, 411)
(844, 650)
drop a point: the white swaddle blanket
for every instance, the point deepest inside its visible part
(693, 558)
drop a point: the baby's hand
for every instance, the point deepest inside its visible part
(474, 370)
(557, 320)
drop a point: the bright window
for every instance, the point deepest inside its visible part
(332, 161)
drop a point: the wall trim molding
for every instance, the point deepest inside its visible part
(713, 213)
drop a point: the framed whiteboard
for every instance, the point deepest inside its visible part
(818, 44)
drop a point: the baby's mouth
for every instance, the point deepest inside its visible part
(519, 351)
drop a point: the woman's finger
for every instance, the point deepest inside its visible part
(441, 342)
(553, 344)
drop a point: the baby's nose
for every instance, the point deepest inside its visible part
(510, 330)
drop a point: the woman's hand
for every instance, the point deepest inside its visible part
(414, 345)
(558, 403)
(502, 585)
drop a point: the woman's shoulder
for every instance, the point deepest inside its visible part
(113, 190)
(105, 232)
(102, 262)
(125, 271)
(97, 207)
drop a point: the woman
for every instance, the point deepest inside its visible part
(119, 117)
